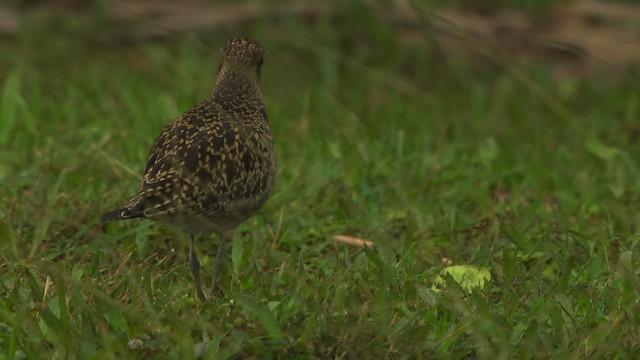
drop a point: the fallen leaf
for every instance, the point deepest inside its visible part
(353, 241)
(469, 277)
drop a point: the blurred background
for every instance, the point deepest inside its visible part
(576, 38)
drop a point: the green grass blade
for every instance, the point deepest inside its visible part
(259, 310)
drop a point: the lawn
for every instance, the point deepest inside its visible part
(437, 161)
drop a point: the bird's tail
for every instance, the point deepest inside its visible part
(123, 214)
(112, 215)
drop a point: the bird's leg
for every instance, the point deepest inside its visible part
(194, 265)
(217, 263)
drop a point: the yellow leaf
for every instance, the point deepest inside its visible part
(469, 277)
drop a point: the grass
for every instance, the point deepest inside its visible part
(465, 167)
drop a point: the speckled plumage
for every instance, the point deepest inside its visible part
(214, 166)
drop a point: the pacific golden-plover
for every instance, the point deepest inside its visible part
(214, 166)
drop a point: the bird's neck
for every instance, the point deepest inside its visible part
(237, 82)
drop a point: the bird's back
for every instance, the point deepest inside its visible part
(208, 170)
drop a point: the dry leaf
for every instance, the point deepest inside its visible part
(353, 241)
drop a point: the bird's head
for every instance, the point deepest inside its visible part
(242, 53)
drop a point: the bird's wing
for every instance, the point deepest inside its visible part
(193, 166)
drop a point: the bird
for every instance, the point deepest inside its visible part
(214, 166)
